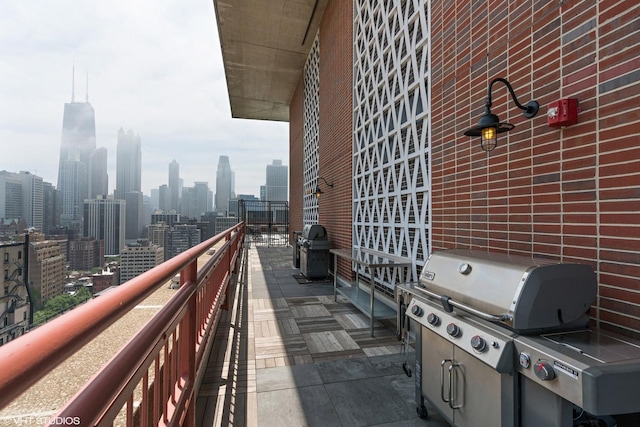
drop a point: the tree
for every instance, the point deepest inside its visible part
(60, 304)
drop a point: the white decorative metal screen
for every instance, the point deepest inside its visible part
(391, 167)
(311, 99)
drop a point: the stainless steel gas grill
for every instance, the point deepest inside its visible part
(503, 341)
(314, 251)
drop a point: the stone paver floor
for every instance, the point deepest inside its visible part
(287, 354)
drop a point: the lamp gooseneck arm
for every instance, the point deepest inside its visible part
(530, 109)
(325, 181)
(508, 85)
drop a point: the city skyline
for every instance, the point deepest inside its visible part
(162, 77)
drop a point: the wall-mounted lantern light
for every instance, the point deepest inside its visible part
(489, 125)
(318, 191)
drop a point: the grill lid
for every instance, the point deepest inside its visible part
(525, 293)
(314, 232)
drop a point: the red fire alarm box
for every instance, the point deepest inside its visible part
(563, 112)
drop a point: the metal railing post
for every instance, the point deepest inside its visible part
(189, 329)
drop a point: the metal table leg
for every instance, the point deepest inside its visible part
(371, 300)
(335, 277)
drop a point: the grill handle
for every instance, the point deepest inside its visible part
(453, 393)
(446, 301)
(444, 362)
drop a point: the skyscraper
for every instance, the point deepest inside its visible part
(129, 180)
(164, 198)
(196, 200)
(133, 216)
(105, 220)
(77, 143)
(224, 184)
(182, 237)
(32, 199)
(158, 234)
(277, 188)
(189, 205)
(98, 177)
(51, 207)
(174, 185)
(21, 196)
(128, 164)
(203, 203)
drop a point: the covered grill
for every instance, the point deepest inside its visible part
(525, 294)
(484, 355)
(314, 251)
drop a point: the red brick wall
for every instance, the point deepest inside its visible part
(335, 118)
(295, 160)
(569, 193)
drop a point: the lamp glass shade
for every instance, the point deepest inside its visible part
(489, 133)
(489, 138)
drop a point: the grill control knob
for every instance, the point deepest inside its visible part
(433, 319)
(453, 330)
(478, 343)
(464, 268)
(417, 311)
(544, 370)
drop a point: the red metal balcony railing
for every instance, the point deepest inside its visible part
(161, 365)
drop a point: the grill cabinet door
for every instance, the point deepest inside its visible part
(435, 349)
(481, 396)
(478, 393)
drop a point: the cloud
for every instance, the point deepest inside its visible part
(153, 66)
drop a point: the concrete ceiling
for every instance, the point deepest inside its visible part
(265, 44)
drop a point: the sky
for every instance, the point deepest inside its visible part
(154, 67)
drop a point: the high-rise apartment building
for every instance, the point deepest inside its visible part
(32, 199)
(77, 143)
(155, 198)
(21, 196)
(129, 180)
(98, 176)
(225, 222)
(133, 215)
(158, 234)
(168, 218)
(105, 220)
(147, 210)
(50, 208)
(14, 295)
(224, 185)
(46, 269)
(10, 196)
(174, 186)
(277, 187)
(164, 198)
(188, 203)
(204, 199)
(86, 253)
(196, 200)
(128, 164)
(182, 237)
(135, 260)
